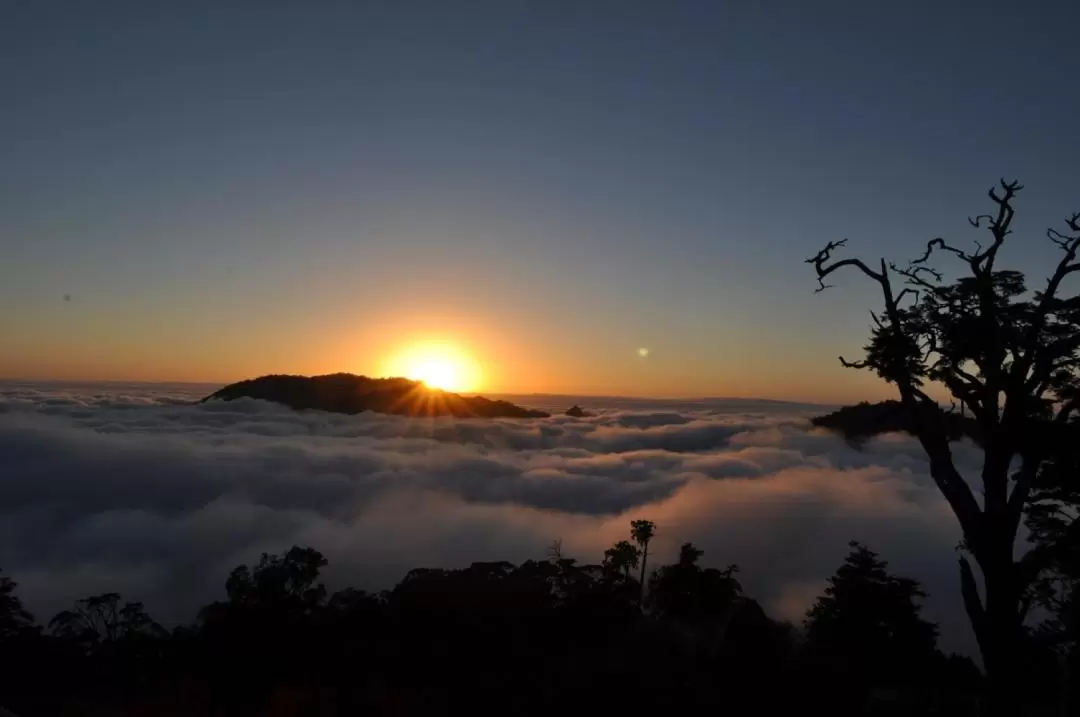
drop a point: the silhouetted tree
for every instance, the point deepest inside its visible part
(109, 648)
(621, 558)
(642, 532)
(871, 620)
(1009, 357)
(14, 619)
(688, 592)
(689, 555)
(25, 658)
(102, 620)
(269, 624)
(288, 578)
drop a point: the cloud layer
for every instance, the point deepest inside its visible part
(132, 488)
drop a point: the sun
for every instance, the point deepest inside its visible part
(436, 373)
(439, 365)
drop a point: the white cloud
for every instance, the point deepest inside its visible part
(131, 488)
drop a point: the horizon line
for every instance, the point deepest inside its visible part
(537, 394)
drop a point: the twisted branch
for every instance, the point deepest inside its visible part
(914, 277)
(939, 243)
(823, 268)
(852, 364)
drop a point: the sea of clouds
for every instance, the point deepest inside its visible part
(132, 488)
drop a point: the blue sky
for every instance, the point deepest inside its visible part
(302, 187)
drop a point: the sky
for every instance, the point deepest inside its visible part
(212, 191)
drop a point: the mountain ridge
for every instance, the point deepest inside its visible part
(351, 394)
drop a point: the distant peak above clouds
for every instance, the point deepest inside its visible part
(348, 393)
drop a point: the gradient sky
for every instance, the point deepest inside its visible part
(190, 191)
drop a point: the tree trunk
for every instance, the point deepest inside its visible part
(995, 618)
(644, 559)
(1001, 644)
(995, 555)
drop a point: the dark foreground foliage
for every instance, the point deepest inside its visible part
(543, 637)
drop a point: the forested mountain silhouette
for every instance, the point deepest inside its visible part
(349, 393)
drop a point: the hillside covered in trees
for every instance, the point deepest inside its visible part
(522, 639)
(866, 420)
(347, 393)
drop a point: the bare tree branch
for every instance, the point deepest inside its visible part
(1062, 240)
(823, 268)
(907, 292)
(913, 276)
(939, 243)
(919, 394)
(852, 364)
(970, 378)
(967, 390)
(999, 226)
